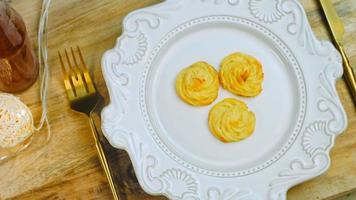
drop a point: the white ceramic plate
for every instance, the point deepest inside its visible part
(172, 150)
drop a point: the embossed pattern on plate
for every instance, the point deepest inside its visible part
(139, 73)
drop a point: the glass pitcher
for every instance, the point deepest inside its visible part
(18, 64)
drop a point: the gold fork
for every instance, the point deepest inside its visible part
(84, 98)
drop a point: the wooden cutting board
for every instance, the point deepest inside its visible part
(68, 167)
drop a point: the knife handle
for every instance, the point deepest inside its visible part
(349, 74)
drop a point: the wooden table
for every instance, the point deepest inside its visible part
(68, 167)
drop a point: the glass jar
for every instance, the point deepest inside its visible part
(18, 64)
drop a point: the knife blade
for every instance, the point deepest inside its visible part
(338, 30)
(336, 25)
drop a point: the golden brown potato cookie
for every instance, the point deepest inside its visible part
(242, 75)
(198, 85)
(231, 121)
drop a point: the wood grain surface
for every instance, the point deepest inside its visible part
(68, 167)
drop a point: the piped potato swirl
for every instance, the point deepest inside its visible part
(242, 75)
(230, 120)
(198, 84)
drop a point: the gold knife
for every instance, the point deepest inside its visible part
(338, 30)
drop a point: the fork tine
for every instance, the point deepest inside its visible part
(74, 59)
(76, 78)
(80, 71)
(68, 61)
(81, 58)
(87, 78)
(67, 81)
(65, 73)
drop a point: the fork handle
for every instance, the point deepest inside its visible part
(103, 158)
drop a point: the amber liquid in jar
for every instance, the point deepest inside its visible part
(18, 64)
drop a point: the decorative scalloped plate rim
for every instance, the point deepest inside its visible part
(129, 121)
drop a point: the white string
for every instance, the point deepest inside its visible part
(43, 64)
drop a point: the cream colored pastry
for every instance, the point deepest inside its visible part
(198, 85)
(231, 121)
(242, 75)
